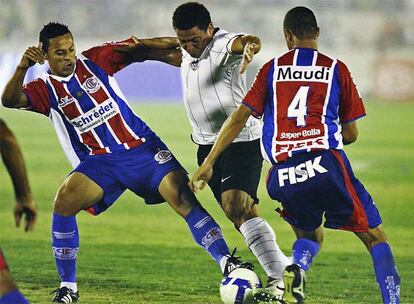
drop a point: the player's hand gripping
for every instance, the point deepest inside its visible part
(201, 177)
(31, 56)
(135, 50)
(248, 55)
(26, 208)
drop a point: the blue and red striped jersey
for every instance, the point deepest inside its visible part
(304, 96)
(88, 110)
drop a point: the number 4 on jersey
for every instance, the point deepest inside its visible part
(297, 108)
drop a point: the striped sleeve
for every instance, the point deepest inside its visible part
(38, 95)
(351, 106)
(107, 58)
(256, 96)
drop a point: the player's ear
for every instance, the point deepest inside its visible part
(210, 29)
(317, 32)
(288, 35)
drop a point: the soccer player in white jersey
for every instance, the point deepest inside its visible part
(212, 63)
(310, 105)
(110, 148)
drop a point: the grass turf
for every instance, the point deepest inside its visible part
(145, 254)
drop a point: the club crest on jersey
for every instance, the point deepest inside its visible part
(91, 85)
(65, 101)
(163, 156)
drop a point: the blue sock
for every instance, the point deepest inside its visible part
(207, 233)
(65, 242)
(386, 273)
(13, 297)
(304, 251)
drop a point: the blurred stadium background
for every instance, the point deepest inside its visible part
(374, 37)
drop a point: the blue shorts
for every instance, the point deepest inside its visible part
(139, 169)
(317, 184)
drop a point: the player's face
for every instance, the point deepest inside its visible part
(61, 55)
(195, 40)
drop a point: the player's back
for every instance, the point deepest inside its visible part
(308, 96)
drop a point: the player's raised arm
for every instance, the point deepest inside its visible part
(228, 132)
(13, 96)
(248, 45)
(164, 49)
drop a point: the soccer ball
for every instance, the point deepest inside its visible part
(237, 287)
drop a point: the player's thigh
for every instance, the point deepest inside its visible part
(175, 190)
(240, 167)
(77, 192)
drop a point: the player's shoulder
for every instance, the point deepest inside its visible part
(222, 39)
(41, 80)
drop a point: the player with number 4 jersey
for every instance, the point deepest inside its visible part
(309, 105)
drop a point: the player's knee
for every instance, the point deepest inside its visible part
(237, 207)
(373, 237)
(64, 205)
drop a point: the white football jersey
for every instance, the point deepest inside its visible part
(213, 88)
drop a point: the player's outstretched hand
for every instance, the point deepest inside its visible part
(201, 177)
(29, 211)
(248, 55)
(32, 55)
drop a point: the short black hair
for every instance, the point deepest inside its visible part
(301, 21)
(191, 14)
(52, 30)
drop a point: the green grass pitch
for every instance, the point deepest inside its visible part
(144, 254)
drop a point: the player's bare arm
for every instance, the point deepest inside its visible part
(14, 162)
(349, 132)
(164, 49)
(228, 132)
(13, 96)
(248, 46)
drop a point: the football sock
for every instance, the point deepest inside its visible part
(304, 251)
(13, 297)
(65, 242)
(207, 233)
(261, 240)
(386, 273)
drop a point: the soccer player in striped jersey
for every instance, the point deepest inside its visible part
(212, 63)
(310, 104)
(110, 148)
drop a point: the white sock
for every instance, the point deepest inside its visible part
(70, 285)
(261, 239)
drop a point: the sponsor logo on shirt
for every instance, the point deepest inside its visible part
(163, 156)
(304, 133)
(303, 73)
(96, 116)
(91, 85)
(301, 172)
(65, 101)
